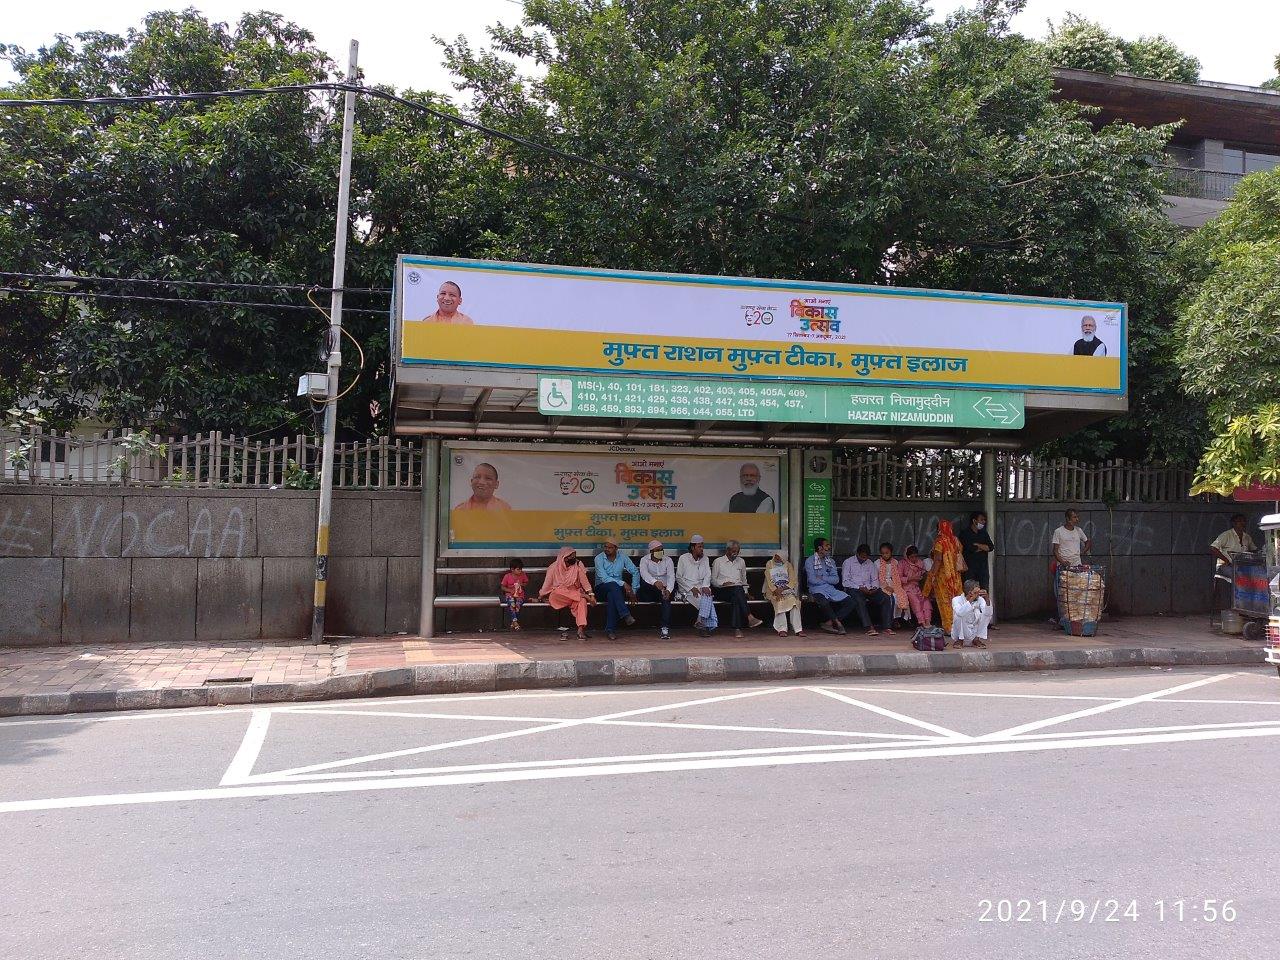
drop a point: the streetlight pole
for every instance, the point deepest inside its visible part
(335, 355)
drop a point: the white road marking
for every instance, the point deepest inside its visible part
(241, 767)
(967, 693)
(1265, 703)
(506, 735)
(971, 748)
(157, 714)
(574, 762)
(183, 713)
(1252, 725)
(414, 715)
(752, 751)
(668, 689)
(903, 718)
(615, 723)
(1104, 708)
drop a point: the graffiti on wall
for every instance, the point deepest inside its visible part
(96, 530)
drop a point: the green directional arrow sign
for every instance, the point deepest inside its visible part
(778, 402)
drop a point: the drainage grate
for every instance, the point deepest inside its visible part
(214, 681)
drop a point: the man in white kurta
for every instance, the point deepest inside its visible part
(971, 616)
(693, 578)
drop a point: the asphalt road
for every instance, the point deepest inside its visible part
(1070, 814)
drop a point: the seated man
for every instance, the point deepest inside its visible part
(693, 576)
(612, 590)
(861, 578)
(971, 614)
(729, 583)
(657, 581)
(823, 578)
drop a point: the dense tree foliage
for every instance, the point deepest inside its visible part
(854, 140)
(239, 191)
(1085, 45)
(1230, 332)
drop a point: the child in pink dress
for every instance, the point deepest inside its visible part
(513, 591)
(911, 572)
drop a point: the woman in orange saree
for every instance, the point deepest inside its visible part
(944, 581)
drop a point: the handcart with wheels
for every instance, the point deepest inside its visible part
(1081, 592)
(1250, 594)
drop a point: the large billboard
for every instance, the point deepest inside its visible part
(473, 313)
(528, 498)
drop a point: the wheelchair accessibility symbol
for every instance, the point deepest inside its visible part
(555, 396)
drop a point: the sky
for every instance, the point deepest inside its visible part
(1235, 40)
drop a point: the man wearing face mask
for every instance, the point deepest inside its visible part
(1089, 345)
(976, 546)
(657, 580)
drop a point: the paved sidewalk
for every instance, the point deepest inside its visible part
(78, 677)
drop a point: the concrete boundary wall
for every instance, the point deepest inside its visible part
(190, 566)
(1157, 555)
(82, 564)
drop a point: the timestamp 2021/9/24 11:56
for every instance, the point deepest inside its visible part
(1107, 910)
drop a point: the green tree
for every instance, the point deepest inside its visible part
(1274, 82)
(1230, 332)
(1085, 45)
(855, 141)
(1082, 44)
(238, 191)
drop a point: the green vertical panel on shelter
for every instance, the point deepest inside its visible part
(816, 508)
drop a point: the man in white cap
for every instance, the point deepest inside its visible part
(693, 577)
(657, 581)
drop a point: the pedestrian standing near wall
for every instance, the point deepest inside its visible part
(977, 547)
(943, 582)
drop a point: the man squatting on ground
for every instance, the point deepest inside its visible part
(971, 614)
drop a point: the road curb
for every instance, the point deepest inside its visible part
(448, 678)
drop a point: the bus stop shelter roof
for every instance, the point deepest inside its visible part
(476, 404)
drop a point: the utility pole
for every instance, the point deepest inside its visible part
(335, 355)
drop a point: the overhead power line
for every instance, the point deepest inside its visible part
(633, 176)
(94, 294)
(213, 284)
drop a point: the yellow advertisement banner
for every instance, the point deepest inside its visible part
(542, 498)
(573, 350)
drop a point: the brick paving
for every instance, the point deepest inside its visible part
(104, 667)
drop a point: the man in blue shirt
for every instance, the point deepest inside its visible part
(612, 590)
(823, 578)
(861, 578)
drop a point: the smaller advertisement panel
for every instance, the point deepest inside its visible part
(513, 499)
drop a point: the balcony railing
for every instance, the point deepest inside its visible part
(1201, 184)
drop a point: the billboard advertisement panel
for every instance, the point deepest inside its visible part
(468, 313)
(523, 498)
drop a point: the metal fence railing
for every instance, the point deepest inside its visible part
(1201, 184)
(223, 460)
(957, 475)
(205, 460)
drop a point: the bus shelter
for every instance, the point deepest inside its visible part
(560, 405)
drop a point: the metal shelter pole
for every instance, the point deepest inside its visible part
(795, 505)
(989, 505)
(335, 355)
(430, 508)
